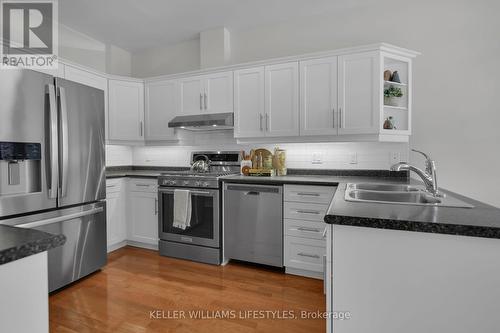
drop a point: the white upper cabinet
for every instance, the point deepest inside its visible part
(319, 96)
(218, 94)
(126, 110)
(85, 77)
(359, 93)
(282, 100)
(211, 93)
(161, 107)
(249, 103)
(191, 95)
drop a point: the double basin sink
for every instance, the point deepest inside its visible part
(399, 194)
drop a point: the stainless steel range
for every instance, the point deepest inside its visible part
(190, 207)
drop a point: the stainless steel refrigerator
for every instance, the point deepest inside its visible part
(52, 167)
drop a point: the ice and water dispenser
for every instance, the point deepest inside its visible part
(20, 168)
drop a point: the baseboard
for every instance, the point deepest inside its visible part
(116, 246)
(303, 272)
(119, 245)
(142, 245)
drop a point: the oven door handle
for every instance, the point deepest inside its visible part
(163, 190)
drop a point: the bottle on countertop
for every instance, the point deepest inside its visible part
(259, 161)
(245, 164)
(279, 162)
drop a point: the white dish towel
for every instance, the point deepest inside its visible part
(182, 209)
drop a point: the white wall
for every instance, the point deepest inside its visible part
(457, 78)
(118, 61)
(81, 49)
(182, 57)
(87, 51)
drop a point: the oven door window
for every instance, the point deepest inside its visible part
(204, 216)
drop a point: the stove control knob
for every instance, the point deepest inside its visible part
(197, 183)
(171, 182)
(186, 182)
(205, 184)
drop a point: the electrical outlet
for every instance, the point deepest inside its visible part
(353, 158)
(394, 157)
(317, 158)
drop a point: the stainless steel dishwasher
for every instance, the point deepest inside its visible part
(253, 223)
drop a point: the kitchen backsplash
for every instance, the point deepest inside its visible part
(118, 155)
(360, 155)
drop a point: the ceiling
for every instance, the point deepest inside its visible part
(141, 24)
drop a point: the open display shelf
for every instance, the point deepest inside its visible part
(400, 109)
(388, 83)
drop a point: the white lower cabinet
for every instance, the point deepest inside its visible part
(305, 254)
(116, 223)
(132, 213)
(143, 212)
(328, 282)
(305, 245)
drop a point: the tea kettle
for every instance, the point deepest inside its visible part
(201, 165)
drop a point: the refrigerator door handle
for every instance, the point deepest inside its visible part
(68, 217)
(50, 90)
(64, 141)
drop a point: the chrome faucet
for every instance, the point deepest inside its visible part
(428, 176)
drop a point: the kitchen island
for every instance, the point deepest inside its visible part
(408, 268)
(24, 278)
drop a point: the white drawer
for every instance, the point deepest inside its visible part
(305, 211)
(113, 185)
(312, 194)
(304, 253)
(143, 185)
(306, 229)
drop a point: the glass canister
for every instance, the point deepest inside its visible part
(280, 161)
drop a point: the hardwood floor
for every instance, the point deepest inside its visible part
(136, 282)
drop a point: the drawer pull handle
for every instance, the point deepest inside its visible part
(315, 256)
(308, 212)
(307, 229)
(142, 185)
(110, 186)
(308, 194)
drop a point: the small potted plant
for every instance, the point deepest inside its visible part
(392, 96)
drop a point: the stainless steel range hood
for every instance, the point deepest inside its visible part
(204, 122)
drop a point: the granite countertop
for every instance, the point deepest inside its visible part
(17, 243)
(139, 171)
(133, 173)
(329, 180)
(480, 221)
